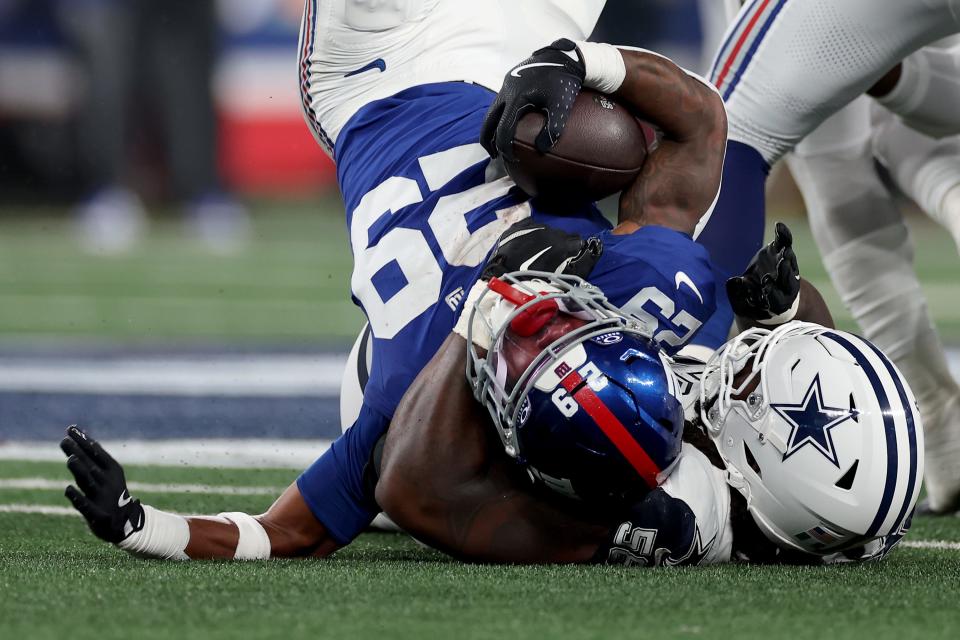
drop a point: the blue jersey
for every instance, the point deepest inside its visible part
(425, 205)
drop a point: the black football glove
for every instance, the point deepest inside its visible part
(771, 283)
(548, 81)
(532, 246)
(102, 497)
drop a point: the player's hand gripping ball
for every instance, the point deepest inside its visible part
(559, 143)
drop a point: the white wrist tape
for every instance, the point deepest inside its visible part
(164, 535)
(494, 309)
(254, 543)
(605, 68)
(784, 317)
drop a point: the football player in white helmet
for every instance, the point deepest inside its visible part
(820, 434)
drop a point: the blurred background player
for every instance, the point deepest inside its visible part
(140, 62)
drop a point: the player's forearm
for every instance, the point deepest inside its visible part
(683, 106)
(681, 177)
(169, 536)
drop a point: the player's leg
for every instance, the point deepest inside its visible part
(924, 168)
(785, 66)
(868, 252)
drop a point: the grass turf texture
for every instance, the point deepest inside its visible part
(290, 285)
(58, 581)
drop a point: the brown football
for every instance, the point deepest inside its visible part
(600, 152)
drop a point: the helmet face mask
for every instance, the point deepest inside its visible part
(557, 394)
(818, 431)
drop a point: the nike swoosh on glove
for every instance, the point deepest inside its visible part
(532, 246)
(102, 498)
(549, 82)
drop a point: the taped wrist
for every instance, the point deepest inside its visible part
(494, 309)
(164, 535)
(254, 543)
(784, 317)
(604, 65)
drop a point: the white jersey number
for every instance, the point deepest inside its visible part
(409, 247)
(668, 312)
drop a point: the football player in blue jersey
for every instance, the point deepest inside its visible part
(638, 269)
(425, 204)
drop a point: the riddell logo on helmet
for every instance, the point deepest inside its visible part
(562, 370)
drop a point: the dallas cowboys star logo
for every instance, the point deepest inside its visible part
(811, 422)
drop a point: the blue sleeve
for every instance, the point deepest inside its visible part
(661, 276)
(660, 530)
(334, 487)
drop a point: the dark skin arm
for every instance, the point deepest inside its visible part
(293, 530)
(681, 178)
(445, 479)
(102, 498)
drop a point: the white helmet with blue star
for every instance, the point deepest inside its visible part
(819, 432)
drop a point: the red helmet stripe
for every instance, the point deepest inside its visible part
(613, 429)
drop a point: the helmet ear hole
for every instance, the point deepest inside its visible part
(846, 480)
(751, 460)
(668, 425)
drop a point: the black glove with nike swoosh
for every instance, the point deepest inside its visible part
(532, 246)
(102, 498)
(548, 81)
(769, 289)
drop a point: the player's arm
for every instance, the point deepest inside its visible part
(445, 480)
(287, 529)
(681, 178)
(771, 291)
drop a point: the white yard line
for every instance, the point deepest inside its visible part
(227, 453)
(931, 544)
(209, 489)
(233, 376)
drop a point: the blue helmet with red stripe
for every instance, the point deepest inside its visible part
(579, 392)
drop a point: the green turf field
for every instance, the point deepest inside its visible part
(291, 285)
(58, 581)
